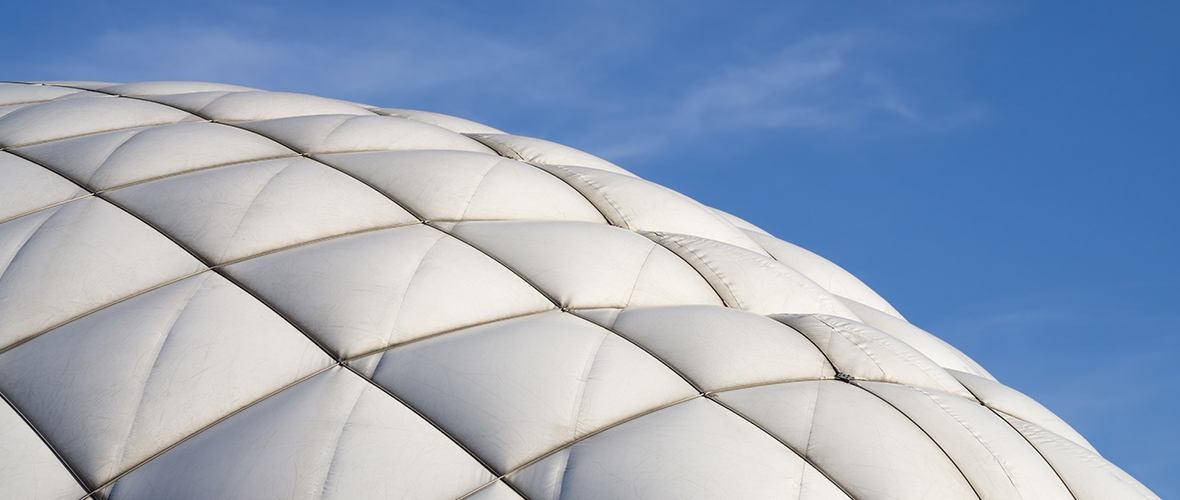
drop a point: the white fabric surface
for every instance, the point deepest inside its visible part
(211, 291)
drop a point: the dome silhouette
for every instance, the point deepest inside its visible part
(210, 291)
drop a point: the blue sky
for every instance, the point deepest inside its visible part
(1004, 172)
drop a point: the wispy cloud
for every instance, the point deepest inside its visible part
(200, 53)
(823, 84)
(819, 82)
(396, 61)
(788, 89)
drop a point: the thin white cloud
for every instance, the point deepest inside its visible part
(786, 90)
(398, 60)
(825, 83)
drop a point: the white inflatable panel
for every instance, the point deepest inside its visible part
(823, 272)
(554, 377)
(997, 460)
(28, 468)
(498, 490)
(160, 88)
(19, 93)
(320, 134)
(933, 347)
(256, 105)
(861, 442)
(85, 115)
(108, 160)
(334, 437)
(73, 259)
(751, 281)
(153, 369)
(31, 187)
(448, 122)
(1015, 403)
(586, 265)
(1089, 476)
(363, 292)
(694, 450)
(633, 203)
(721, 348)
(228, 213)
(864, 352)
(533, 150)
(457, 185)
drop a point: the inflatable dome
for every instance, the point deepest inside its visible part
(215, 292)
